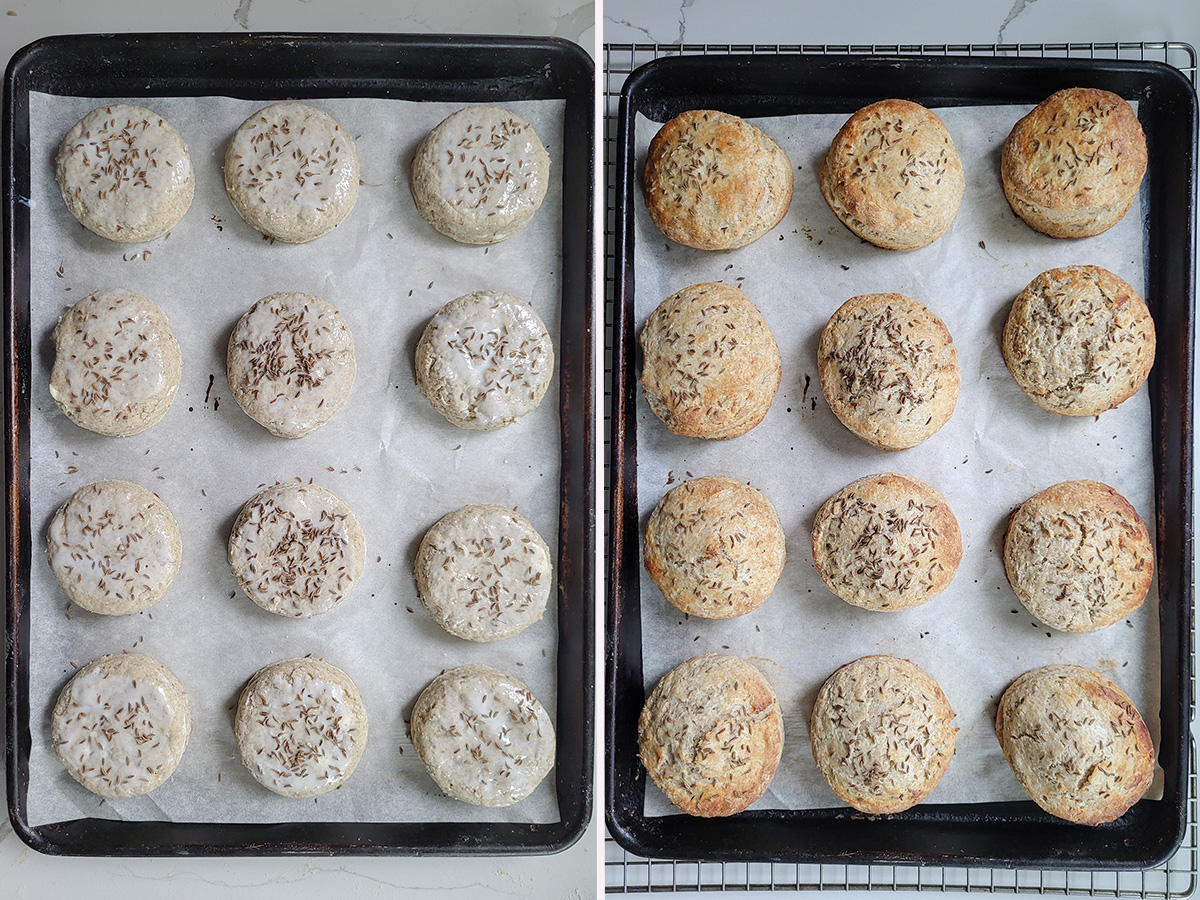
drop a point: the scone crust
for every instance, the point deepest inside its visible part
(893, 175)
(1078, 556)
(1072, 167)
(711, 366)
(882, 734)
(1079, 340)
(711, 735)
(888, 369)
(886, 542)
(1076, 743)
(713, 181)
(715, 547)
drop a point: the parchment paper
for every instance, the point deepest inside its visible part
(399, 465)
(997, 450)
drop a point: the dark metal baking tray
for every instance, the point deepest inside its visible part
(987, 834)
(274, 67)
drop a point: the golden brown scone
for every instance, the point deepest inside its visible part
(1073, 166)
(714, 181)
(881, 734)
(893, 175)
(711, 366)
(888, 369)
(1079, 340)
(1078, 556)
(1076, 743)
(711, 735)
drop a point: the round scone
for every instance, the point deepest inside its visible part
(888, 369)
(711, 735)
(125, 173)
(114, 547)
(1076, 743)
(483, 737)
(480, 175)
(485, 360)
(1072, 167)
(715, 182)
(1079, 340)
(116, 363)
(715, 547)
(711, 366)
(882, 734)
(290, 363)
(301, 727)
(1078, 556)
(483, 573)
(893, 175)
(120, 725)
(296, 549)
(886, 542)
(291, 172)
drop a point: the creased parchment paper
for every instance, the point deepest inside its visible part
(997, 450)
(399, 465)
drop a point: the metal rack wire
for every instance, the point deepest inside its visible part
(626, 873)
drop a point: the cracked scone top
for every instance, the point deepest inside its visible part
(711, 735)
(881, 734)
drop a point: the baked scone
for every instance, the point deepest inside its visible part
(480, 175)
(301, 727)
(715, 182)
(715, 547)
(120, 725)
(483, 737)
(882, 734)
(116, 363)
(889, 370)
(125, 173)
(886, 542)
(711, 366)
(290, 363)
(1079, 340)
(114, 548)
(893, 175)
(485, 360)
(1076, 743)
(291, 172)
(1072, 167)
(711, 735)
(483, 573)
(1078, 556)
(296, 549)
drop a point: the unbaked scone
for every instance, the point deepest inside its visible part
(121, 724)
(893, 175)
(483, 737)
(301, 727)
(290, 363)
(882, 734)
(1079, 340)
(125, 173)
(483, 573)
(116, 363)
(485, 360)
(711, 735)
(1076, 743)
(114, 548)
(296, 549)
(715, 547)
(711, 366)
(1078, 556)
(480, 175)
(291, 172)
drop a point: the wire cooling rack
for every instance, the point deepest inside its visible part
(629, 874)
